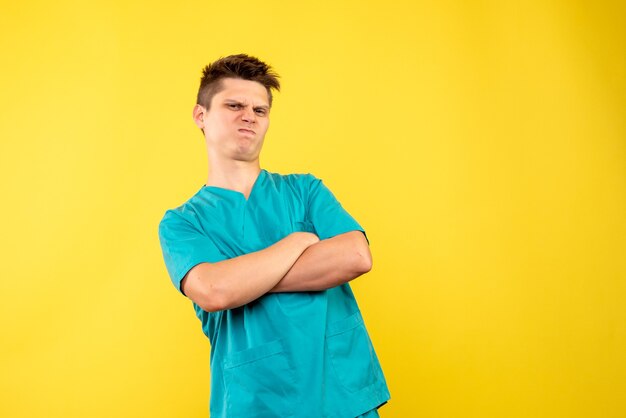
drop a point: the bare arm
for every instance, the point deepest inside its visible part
(234, 282)
(328, 263)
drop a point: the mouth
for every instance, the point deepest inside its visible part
(247, 131)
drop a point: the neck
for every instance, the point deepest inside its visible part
(234, 175)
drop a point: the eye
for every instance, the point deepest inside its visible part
(261, 112)
(234, 105)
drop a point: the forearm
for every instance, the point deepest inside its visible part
(327, 264)
(234, 282)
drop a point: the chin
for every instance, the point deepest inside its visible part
(245, 156)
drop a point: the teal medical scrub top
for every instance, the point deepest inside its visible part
(300, 354)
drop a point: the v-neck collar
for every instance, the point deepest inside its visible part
(258, 181)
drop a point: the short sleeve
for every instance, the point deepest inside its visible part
(329, 218)
(184, 246)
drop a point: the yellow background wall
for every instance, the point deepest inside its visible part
(481, 144)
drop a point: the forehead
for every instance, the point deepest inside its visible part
(243, 90)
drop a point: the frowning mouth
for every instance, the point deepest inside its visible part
(246, 131)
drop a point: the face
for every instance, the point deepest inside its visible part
(237, 120)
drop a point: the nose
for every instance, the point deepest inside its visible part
(248, 115)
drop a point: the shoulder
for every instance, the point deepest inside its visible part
(290, 177)
(185, 214)
(293, 179)
(172, 216)
(299, 186)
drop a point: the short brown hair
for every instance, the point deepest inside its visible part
(235, 66)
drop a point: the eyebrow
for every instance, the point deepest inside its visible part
(235, 101)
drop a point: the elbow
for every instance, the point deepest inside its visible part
(205, 291)
(212, 304)
(212, 299)
(362, 259)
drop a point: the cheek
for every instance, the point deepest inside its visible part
(266, 126)
(217, 125)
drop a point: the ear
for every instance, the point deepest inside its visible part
(198, 115)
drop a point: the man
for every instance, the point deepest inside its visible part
(266, 259)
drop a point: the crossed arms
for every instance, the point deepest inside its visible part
(299, 262)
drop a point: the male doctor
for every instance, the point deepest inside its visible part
(266, 260)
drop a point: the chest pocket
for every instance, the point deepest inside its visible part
(259, 382)
(280, 214)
